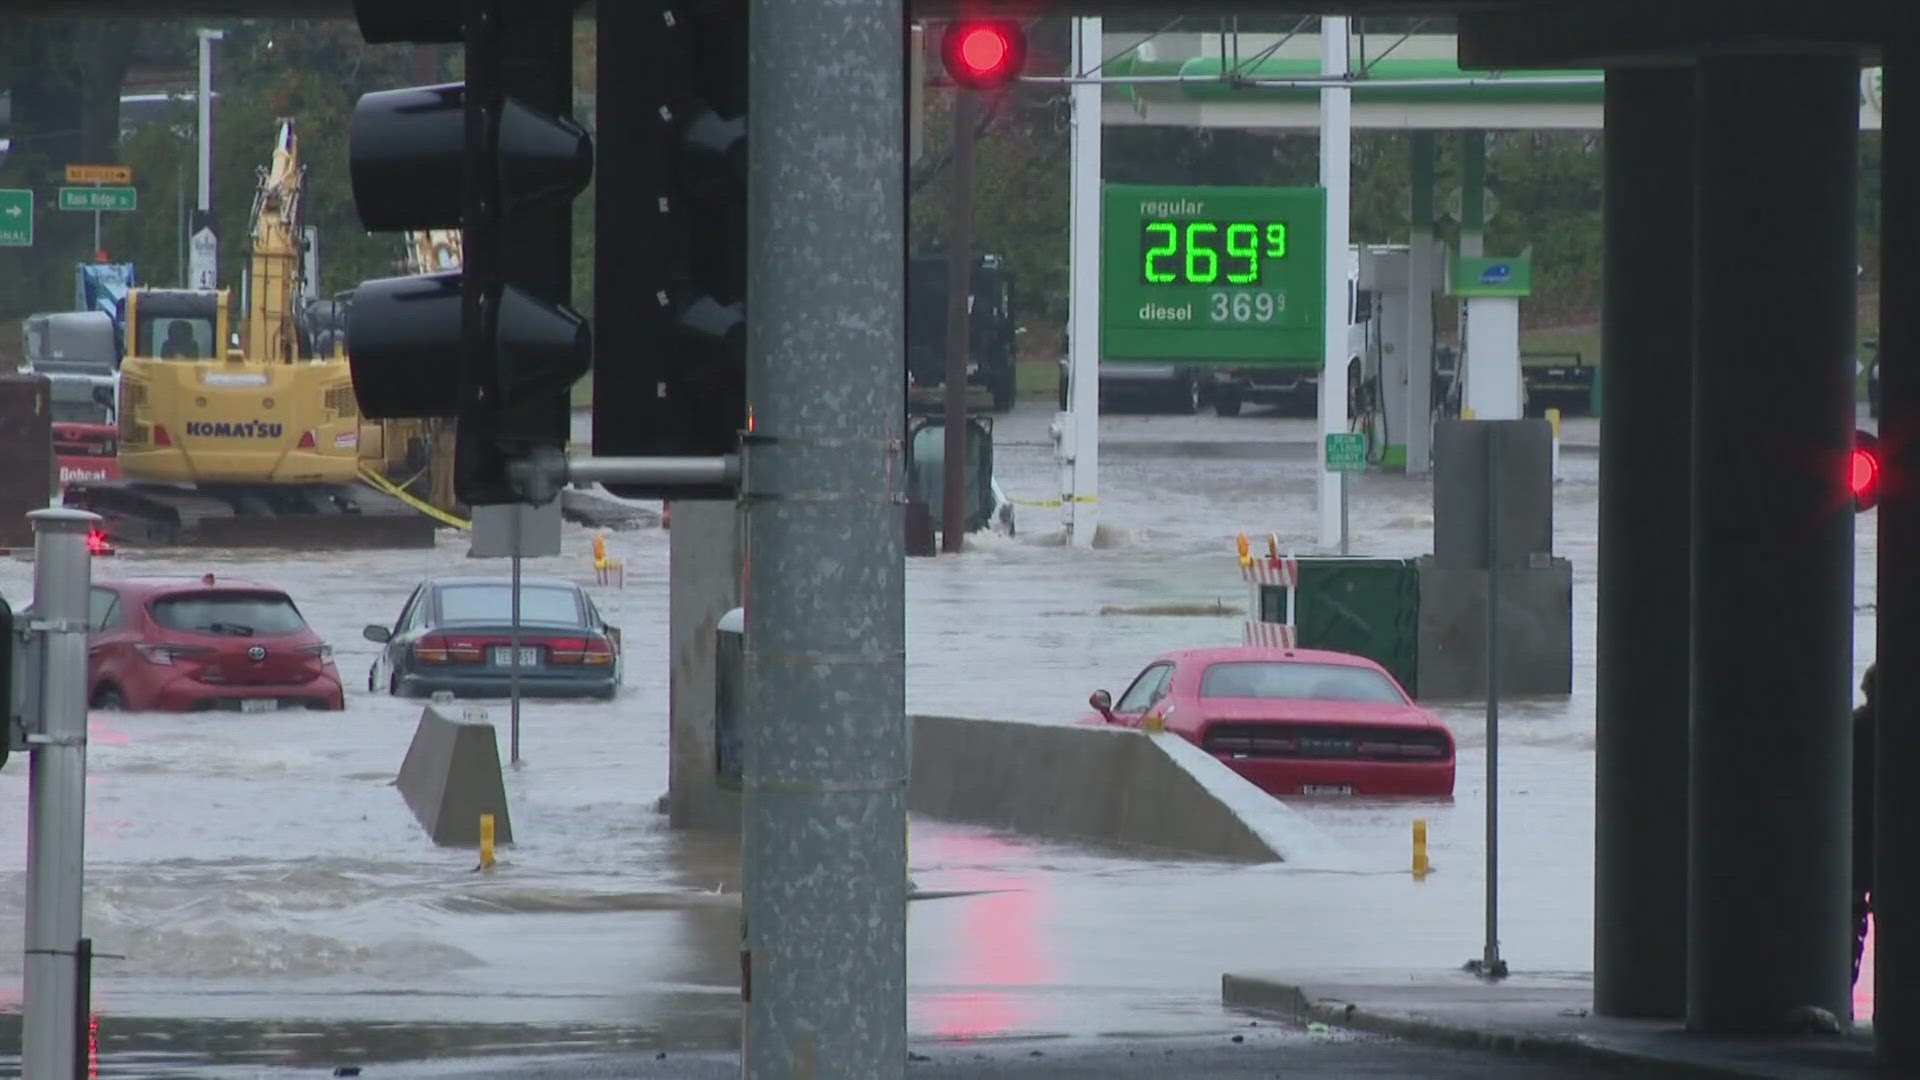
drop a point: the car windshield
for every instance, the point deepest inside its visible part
(493, 603)
(1308, 682)
(231, 614)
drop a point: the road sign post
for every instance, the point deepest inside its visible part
(1346, 452)
(56, 795)
(16, 217)
(97, 199)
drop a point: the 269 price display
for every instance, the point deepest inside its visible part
(1209, 252)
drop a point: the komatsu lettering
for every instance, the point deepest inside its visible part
(251, 429)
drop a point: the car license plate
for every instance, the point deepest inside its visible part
(503, 656)
(1326, 789)
(259, 704)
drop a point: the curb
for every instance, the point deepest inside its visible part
(1294, 1002)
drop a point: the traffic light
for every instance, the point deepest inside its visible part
(983, 54)
(496, 344)
(1865, 468)
(670, 280)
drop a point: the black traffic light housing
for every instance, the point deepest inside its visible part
(670, 281)
(499, 156)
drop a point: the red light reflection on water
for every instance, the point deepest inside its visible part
(1000, 946)
(1863, 989)
(98, 732)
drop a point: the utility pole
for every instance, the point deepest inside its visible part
(203, 271)
(826, 764)
(953, 512)
(1079, 438)
(56, 792)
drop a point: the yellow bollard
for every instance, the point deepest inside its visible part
(1420, 865)
(1553, 417)
(486, 841)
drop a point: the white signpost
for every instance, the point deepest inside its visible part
(515, 531)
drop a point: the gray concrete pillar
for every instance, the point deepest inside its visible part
(704, 563)
(1896, 872)
(1646, 509)
(1772, 541)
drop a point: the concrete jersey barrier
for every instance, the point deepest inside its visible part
(1102, 784)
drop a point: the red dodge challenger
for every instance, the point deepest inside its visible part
(1293, 721)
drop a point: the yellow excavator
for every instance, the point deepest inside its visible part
(247, 440)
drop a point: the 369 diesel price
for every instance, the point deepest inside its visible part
(1240, 306)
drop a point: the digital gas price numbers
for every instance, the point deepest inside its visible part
(1213, 273)
(1210, 252)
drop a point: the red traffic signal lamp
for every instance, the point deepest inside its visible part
(1865, 469)
(983, 54)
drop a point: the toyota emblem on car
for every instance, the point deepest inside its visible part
(257, 653)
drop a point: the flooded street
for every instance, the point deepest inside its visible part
(273, 901)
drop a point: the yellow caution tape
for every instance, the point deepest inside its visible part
(375, 480)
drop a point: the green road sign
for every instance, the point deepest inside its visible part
(1213, 273)
(1346, 451)
(98, 198)
(16, 217)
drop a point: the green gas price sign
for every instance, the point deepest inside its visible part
(1213, 273)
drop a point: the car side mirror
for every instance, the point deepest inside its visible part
(379, 635)
(1102, 703)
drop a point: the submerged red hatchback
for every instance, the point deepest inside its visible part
(1293, 721)
(182, 644)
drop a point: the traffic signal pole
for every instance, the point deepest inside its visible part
(1895, 874)
(953, 510)
(825, 784)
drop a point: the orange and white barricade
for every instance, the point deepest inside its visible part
(1272, 571)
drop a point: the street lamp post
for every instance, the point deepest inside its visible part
(204, 260)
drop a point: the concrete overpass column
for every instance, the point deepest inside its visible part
(1772, 541)
(1646, 509)
(1896, 880)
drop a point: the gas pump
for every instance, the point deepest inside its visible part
(1391, 395)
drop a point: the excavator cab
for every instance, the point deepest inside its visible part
(177, 324)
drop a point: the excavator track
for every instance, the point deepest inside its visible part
(307, 517)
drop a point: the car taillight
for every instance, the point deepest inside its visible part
(440, 649)
(322, 652)
(593, 652)
(167, 654)
(1242, 742)
(1400, 750)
